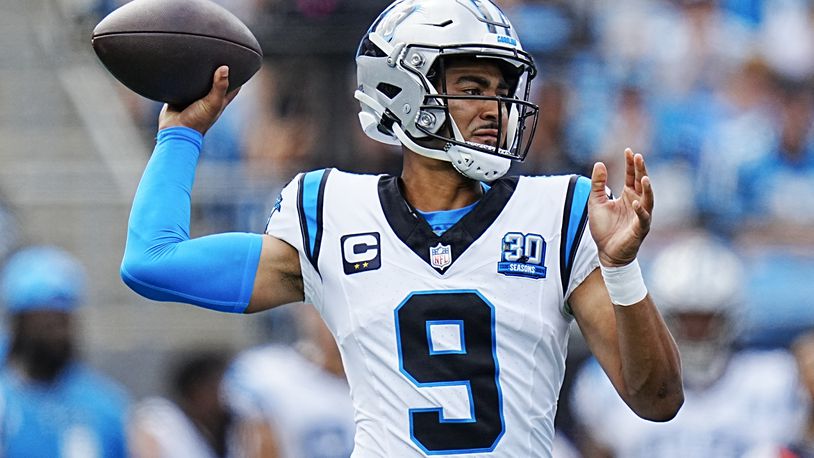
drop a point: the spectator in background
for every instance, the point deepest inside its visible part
(53, 405)
(682, 46)
(803, 445)
(280, 140)
(196, 422)
(742, 131)
(630, 126)
(786, 37)
(731, 406)
(300, 389)
(9, 240)
(778, 188)
(548, 152)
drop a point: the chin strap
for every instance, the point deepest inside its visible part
(475, 164)
(422, 150)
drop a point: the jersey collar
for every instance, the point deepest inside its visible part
(414, 231)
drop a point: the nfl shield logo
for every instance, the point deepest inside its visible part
(440, 256)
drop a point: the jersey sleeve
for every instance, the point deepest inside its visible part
(283, 222)
(297, 220)
(578, 252)
(585, 261)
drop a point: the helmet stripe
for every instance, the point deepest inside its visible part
(487, 18)
(504, 19)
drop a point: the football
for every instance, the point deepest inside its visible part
(168, 50)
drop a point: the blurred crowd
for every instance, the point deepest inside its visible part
(717, 94)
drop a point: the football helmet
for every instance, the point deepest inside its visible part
(42, 278)
(697, 283)
(401, 87)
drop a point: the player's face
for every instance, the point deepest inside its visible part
(45, 340)
(698, 326)
(478, 119)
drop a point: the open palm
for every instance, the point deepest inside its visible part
(619, 225)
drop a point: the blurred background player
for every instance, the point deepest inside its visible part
(735, 401)
(803, 444)
(53, 405)
(300, 389)
(196, 422)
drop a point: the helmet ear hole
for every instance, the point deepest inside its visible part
(368, 48)
(389, 90)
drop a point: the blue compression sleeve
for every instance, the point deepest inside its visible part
(160, 261)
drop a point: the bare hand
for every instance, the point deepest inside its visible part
(619, 226)
(201, 114)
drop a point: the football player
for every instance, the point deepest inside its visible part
(280, 382)
(450, 288)
(737, 402)
(53, 403)
(194, 420)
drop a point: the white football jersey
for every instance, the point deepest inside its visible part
(452, 344)
(174, 434)
(754, 403)
(308, 408)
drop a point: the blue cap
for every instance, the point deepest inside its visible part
(42, 278)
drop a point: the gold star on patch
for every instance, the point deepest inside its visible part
(356, 266)
(364, 264)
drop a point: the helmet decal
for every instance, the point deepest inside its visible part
(394, 18)
(486, 17)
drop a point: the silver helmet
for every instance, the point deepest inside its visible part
(399, 63)
(697, 283)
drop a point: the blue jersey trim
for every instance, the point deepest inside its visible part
(309, 204)
(575, 217)
(310, 191)
(578, 209)
(442, 220)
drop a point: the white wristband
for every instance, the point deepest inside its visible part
(625, 283)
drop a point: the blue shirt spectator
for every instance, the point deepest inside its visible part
(78, 414)
(779, 186)
(51, 405)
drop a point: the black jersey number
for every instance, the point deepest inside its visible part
(447, 338)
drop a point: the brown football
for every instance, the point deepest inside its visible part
(168, 50)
